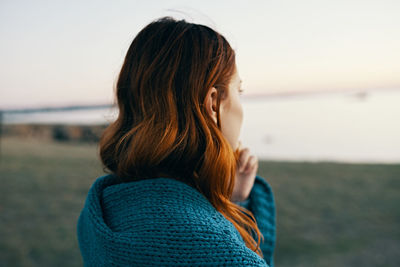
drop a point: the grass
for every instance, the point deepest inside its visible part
(331, 214)
(328, 214)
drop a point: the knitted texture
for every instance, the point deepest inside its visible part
(165, 222)
(262, 205)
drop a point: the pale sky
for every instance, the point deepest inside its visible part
(70, 52)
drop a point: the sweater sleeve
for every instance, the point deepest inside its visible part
(262, 204)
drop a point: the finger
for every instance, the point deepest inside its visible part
(251, 163)
(244, 155)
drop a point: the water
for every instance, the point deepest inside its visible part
(333, 127)
(336, 127)
(80, 117)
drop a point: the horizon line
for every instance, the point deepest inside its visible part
(276, 94)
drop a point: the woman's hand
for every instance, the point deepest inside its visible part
(247, 166)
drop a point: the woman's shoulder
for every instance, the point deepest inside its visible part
(159, 203)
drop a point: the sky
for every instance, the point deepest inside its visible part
(56, 53)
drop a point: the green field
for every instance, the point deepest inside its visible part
(328, 214)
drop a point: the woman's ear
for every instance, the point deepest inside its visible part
(211, 103)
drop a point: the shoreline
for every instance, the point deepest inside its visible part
(89, 135)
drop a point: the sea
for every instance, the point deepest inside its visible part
(351, 126)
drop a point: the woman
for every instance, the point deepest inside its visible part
(180, 190)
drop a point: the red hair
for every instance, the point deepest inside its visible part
(163, 128)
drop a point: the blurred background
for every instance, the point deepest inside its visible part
(321, 111)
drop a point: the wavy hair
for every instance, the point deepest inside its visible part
(163, 128)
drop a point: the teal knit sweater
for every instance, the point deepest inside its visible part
(165, 222)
